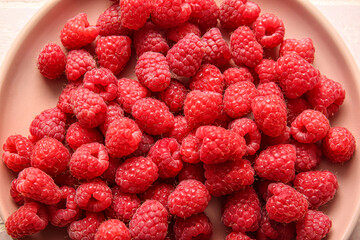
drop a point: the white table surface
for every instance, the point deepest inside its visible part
(342, 14)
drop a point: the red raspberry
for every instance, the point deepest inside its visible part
(217, 50)
(339, 145)
(15, 195)
(277, 163)
(270, 114)
(303, 47)
(269, 30)
(237, 236)
(114, 111)
(37, 185)
(85, 228)
(109, 22)
(185, 56)
(270, 141)
(134, 13)
(309, 127)
(327, 96)
(28, 219)
(78, 62)
(204, 13)
(226, 178)
(77, 32)
(241, 211)
(103, 82)
(234, 75)
(159, 192)
(270, 88)
(285, 204)
(17, 152)
(64, 103)
(308, 156)
(208, 78)
(181, 129)
(266, 71)
(129, 91)
(51, 61)
(122, 137)
(296, 75)
(177, 33)
(168, 14)
(153, 116)
(112, 229)
(295, 107)
(188, 198)
(315, 225)
(174, 96)
(234, 13)
(194, 227)
(166, 155)
(244, 47)
(77, 136)
(190, 148)
(192, 171)
(144, 147)
(113, 52)
(109, 175)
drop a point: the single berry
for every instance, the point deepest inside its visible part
(194, 227)
(103, 82)
(159, 192)
(270, 88)
(15, 195)
(217, 50)
(295, 107)
(315, 226)
(208, 78)
(304, 47)
(129, 91)
(234, 13)
(192, 171)
(134, 13)
(78, 62)
(174, 96)
(190, 148)
(180, 130)
(86, 227)
(234, 75)
(177, 33)
(112, 229)
(266, 71)
(168, 14)
(269, 30)
(51, 61)
(76, 136)
(308, 156)
(150, 38)
(204, 13)
(109, 22)
(17, 152)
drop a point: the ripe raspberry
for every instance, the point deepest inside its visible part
(228, 177)
(109, 22)
(270, 88)
(109, 175)
(94, 196)
(269, 30)
(194, 227)
(122, 137)
(159, 192)
(237, 236)
(309, 127)
(103, 82)
(285, 204)
(112, 229)
(168, 14)
(244, 47)
(85, 228)
(177, 33)
(238, 97)
(28, 219)
(208, 78)
(303, 47)
(192, 171)
(185, 56)
(64, 103)
(327, 96)
(37, 185)
(174, 96)
(145, 144)
(295, 107)
(339, 145)
(113, 52)
(114, 111)
(316, 225)
(129, 91)
(190, 148)
(17, 152)
(134, 13)
(77, 136)
(78, 62)
(217, 50)
(188, 198)
(235, 13)
(296, 75)
(15, 195)
(77, 32)
(153, 116)
(204, 13)
(51, 61)
(180, 130)
(308, 156)
(234, 75)
(266, 71)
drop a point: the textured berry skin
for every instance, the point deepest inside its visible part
(114, 111)
(315, 226)
(15, 195)
(208, 78)
(109, 175)
(174, 96)
(113, 52)
(78, 62)
(285, 204)
(188, 198)
(190, 148)
(185, 56)
(17, 152)
(109, 22)
(77, 136)
(192, 171)
(145, 144)
(235, 13)
(244, 47)
(159, 192)
(234, 75)
(237, 236)
(77, 32)
(177, 33)
(94, 196)
(194, 227)
(134, 13)
(103, 82)
(153, 116)
(270, 88)
(308, 156)
(37, 185)
(241, 211)
(269, 30)
(339, 145)
(85, 228)
(112, 229)
(129, 91)
(228, 177)
(217, 50)
(266, 71)
(303, 47)
(51, 61)
(149, 221)
(28, 219)
(168, 14)
(180, 130)
(296, 75)
(64, 103)
(204, 13)
(310, 126)
(295, 107)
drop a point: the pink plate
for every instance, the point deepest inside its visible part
(25, 93)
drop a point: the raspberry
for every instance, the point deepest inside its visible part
(134, 13)
(192, 171)
(159, 192)
(66, 179)
(129, 91)
(234, 75)
(295, 107)
(177, 33)
(122, 137)
(188, 198)
(194, 227)
(223, 119)
(149, 221)
(270, 114)
(168, 14)
(49, 123)
(136, 174)
(15, 195)
(241, 211)
(303, 47)
(208, 78)
(28, 219)
(309, 127)
(144, 147)
(17, 152)
(113, 52)
(78, 62)
(235, 13)
(339, 145)
(285, 204)
(85, 228)
(238, 97)
(166, 155)
(77, 32)
(37, 185)
(316, 225)
(217, 50)
(103, 82)
(296, 75)
(181, 129)
(64, 103)
(77, 136)
(270, 88)
(153, 116)
(266, 71)
(204, 13)
(269, 30)
(112, 229)
(244, 47)
(51, 61)
(114, 111)
(237, 236)
(327, 96)
(109, 22)
(190, 148)
(308, 156)
(185, 56)
(228, 177)
(174, 96)
(109, 175)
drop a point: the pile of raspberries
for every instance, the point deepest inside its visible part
(141, 159)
